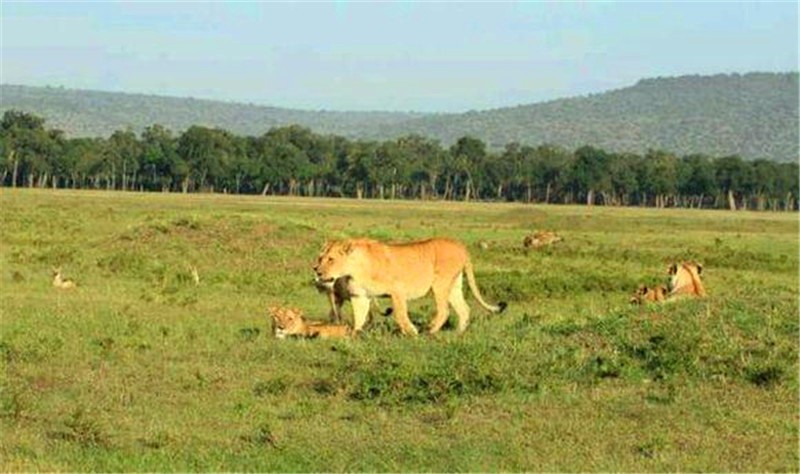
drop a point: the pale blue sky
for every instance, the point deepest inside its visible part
(431, 57)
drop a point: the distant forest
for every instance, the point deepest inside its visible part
(752, 115)
(293, 160)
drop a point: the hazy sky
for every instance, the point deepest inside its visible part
(432, 57)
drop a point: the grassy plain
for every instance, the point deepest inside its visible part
(139, 369)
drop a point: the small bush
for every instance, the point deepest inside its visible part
(261, 436)
(450, 372)
(82, 429)
(270, 387)
(249, 334)
(764, 376)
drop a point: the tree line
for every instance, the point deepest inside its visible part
(293, 160)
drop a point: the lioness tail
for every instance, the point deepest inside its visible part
(473, 286)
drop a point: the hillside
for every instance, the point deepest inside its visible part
(753, 115)
(95, 113)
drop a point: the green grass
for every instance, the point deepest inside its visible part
(139, 369)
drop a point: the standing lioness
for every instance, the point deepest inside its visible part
(403, 272)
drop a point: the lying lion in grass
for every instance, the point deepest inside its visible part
(290, 322)
(685, 279)
(403, 272)
(647, 294)
(60, 282)
(540, 238)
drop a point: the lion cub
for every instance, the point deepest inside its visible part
(646, 294)
(540, 238)
(290, 322)
(685, 279)
(339, 293)
(60, 282)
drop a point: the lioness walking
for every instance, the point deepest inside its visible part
(404, 272)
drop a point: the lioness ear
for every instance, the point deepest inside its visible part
(673, 269)
(348, 248)
(699, 268)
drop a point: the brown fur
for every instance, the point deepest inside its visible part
(338, 294)
(646, 294)
(60, 282)
(290, 322)
(540, 238)
(404, 272)
(685, 279)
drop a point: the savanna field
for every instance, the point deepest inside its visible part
(141, 369)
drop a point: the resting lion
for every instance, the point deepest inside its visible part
(540, 239)
(647, 294)
(60, 282)
(685, 279)
(403, 272)
(290, 322)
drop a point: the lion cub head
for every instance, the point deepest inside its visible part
(685, 279)
(645, 294)
(286, 321)
(290, 322)
(540, 238)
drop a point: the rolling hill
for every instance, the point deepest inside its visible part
(753, 115)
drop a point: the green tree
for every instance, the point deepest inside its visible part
(696, 179)
(207, 152)
(764, 179)
(123, 151)
(590, 173)
(468, 154)
(552, 163)
(787, 186)
(422, 163)
(161, 165)
(287, 162)
(361, 167)
(81, 157)
(624, 182)
(733, 178)
(27, 146)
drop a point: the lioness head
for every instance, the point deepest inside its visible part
(333, 262)
(286, 321)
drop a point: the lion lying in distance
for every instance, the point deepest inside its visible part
(647, 294)
(404, 272)
(540, 238)
(290, 322)
(685, 279)
(60, 282)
